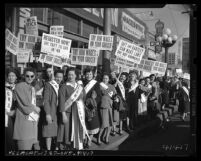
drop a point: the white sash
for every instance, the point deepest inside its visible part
(122, 89)
(133, 88)
(8, 104)
(80, 109)
(105, 87)
(54, 84)
(186, 91)
(74, 96)
(90, 85)
(33, 116)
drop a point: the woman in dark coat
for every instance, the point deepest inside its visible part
(49, 128)
(184, 100)
(133, 95)
(92, 123)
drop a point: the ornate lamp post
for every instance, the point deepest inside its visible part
(166, 42)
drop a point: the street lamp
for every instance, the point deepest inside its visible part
(166, 42)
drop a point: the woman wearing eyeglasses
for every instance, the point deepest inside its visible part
(27, 113)
(10, 104)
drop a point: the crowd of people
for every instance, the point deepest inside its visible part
(61, 110)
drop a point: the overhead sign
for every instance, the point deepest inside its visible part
(154, 43)
(55, 45)
(158, 48)
(132, 27)
(57, 30)
(31, 26)
(11, 42)
(129, 51)
(159, 67)
(84, 56)
(100, 42)
(23, 56)
(27, 42)
(144, 65)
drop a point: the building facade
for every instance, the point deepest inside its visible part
(185, 55)
(78, 24)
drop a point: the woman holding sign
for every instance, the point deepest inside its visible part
(27, 113)
(108, 91)
(93, 101)
(71, 106)
(10, 104)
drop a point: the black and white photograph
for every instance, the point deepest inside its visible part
(133, 96)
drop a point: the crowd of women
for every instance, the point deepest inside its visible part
(64, 111)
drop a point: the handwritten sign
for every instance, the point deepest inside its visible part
(57, 30)
(101, 42)
(55, 45)
(23, 56)
(159, 67)
(31, 26)
(27, 42)
(144, 65)
(11, 42)
(51, 59)
(84, 56)
(129, 51)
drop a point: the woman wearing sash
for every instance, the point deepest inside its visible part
(92, 122)
(132, 99)
(10, 104)
(49, 128)
(184, 100)
(71, 105)
(108, 91)
(27, 113)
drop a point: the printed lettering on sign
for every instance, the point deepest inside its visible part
(100, 42)
(129, 51)
(11, 42)
(57, 30)
(31, 26)
(84, 56)
(55, 45)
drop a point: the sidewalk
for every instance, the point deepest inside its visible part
(144, 129)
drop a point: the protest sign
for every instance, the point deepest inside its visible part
(84, 56)
(159, 67)
(31, 26)
(121, 62)
(129, 51)
(57, 31)
(145, 65)
(42, 58)
(178, 70)
(55, 45)
(27, 42)
(100, 42)
(49, 59)
(31, 57)
(11, 42)
(23, 56)
(186, 76)
(57, 62)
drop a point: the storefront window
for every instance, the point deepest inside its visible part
(88, 29)
(39, 13)
(71, 24)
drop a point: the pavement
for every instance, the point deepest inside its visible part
(147, 128)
